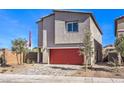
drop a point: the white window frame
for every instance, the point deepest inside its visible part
(72, 26)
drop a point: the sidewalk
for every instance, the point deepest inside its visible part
(14, 78)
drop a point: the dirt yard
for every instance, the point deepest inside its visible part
(101, 71)
(63, 70)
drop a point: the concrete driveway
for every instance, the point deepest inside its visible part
(15, 78)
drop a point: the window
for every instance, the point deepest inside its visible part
(72, 26)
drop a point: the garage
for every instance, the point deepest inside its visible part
(66, 56)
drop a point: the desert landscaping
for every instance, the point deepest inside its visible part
(64, 70)
(65, 48)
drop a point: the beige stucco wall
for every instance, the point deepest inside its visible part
(120, 26)
(95, 32)
(45, 58)
(11, 57)
(96, 41)
(62, 36)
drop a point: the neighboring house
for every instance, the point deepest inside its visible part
(109, 53)
(119, 26)
(61, 33)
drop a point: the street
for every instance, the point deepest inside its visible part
(15, 78)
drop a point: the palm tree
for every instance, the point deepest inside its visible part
(119, 46)
(19, 46)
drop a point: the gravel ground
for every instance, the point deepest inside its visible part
(44, 69)
(63, 70)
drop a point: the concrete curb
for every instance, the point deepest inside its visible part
(17, 78)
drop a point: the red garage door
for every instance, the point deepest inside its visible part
(65, 56)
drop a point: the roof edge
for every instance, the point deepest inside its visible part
(94, 20)
(89, 13)
(69, 11)
(44, 17)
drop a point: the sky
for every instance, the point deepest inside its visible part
(16, 23)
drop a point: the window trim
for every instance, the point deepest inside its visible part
(72, 26)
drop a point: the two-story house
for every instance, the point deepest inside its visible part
(61, 33)
(119, 26)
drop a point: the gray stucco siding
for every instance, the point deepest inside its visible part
(40, 34)
(98, 51)
(49, 26)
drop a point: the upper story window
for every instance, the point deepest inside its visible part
(72, 26)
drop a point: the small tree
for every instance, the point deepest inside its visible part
(87, 49)
(19, 46)
(119, 46)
